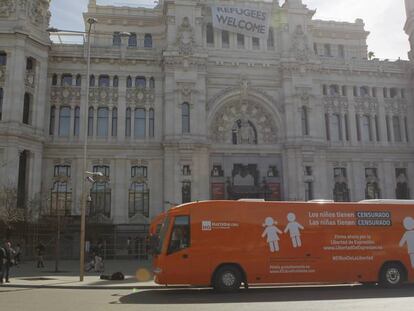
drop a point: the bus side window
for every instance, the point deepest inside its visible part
(180, 235)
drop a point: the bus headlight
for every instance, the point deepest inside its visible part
(157, 270)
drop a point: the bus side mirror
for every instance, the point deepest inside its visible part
(154, 244)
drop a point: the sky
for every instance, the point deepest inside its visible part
(384, 19)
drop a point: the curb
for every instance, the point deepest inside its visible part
(93, 287)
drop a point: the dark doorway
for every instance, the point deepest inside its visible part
(23, 180)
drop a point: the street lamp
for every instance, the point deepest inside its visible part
(90, 21)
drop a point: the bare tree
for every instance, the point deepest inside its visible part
(9, 213)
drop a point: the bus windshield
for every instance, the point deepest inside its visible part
(162, 234)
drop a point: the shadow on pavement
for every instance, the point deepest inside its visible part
(206, 296)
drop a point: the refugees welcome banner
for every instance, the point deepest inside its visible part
(244, 20)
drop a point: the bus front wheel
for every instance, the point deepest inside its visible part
(227, 279)
(392, 275)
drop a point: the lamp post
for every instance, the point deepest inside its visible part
(90, 21)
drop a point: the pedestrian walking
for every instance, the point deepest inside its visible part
(40, 251)
(2, 262)
(7, 262)
(17, 254)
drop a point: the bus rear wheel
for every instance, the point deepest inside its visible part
(392, 275)
(227, 279)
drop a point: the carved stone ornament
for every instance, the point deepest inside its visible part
(103, 95)
(7, 7)
(186, 89)
(300, 44)
(249, 115)
(366, 105)
(140, 95)
(30, 79)
(36, 13)
(185, 37)
(244, 88)
(65, 95)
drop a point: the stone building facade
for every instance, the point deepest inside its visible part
(181, 111)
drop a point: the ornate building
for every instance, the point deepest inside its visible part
(180, 110)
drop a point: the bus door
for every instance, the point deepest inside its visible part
(178, 259)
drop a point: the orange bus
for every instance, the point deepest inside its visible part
(226, 244)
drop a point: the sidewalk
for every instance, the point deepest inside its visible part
(137, 275)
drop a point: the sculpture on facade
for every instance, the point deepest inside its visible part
(185, 37)
(300, 44)
(6, 7)
(243, 133)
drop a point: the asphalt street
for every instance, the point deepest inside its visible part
(305, 298)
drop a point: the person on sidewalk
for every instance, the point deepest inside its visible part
(17, 254)
(40, 250)
(7, 262)
(2, 262)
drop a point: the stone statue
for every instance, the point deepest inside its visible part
(243, 133)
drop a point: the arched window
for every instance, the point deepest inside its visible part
(26, 108)
(54, 80)
(64, 121)
(104, 81)
(210, 34)
(139, 172)
(129, 82)
(364, 91)
(270, 39)
(140, 123)
(114, 122)
(90, 121)
(148, 40)
(256, 43)
(116, 39)
(336, 127)
(78, 80)
(115, 83)
(397, 128)
(52, 120)
(186, 192)
(66, 79)
(393, 92)
(101, 200)
(305, 121)
(102, 122)
(61, 199)
(372, 190)
(225, 39)
(76, 122)
(138, 202)
(140, 81)
(185, 118)
(341, 192)
(3, 59)
(152, 83)
(92, 81)
(334, 90)
(151, 122)
(30, 64)
(366, 129)
(128, 123)
(132, 40)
